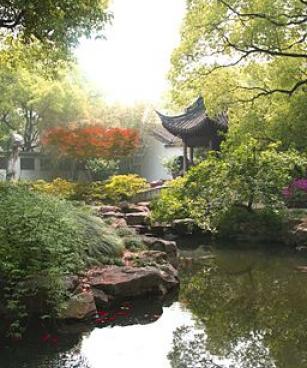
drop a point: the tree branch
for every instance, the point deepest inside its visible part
(300, 18)
(4, 119)
(256, 49)
(266, 92)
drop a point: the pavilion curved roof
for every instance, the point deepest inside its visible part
(195, 126)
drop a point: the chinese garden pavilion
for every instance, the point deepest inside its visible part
(196, 129)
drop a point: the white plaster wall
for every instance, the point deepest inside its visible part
(155, 153)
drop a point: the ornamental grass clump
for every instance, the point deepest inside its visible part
(42, 239)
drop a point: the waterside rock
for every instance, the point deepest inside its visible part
(167, 246)
(300, 233)
(137, 218)
(124, 282)
(184, 226)
(80, 306)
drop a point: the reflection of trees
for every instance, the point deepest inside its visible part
(36, 354)
(189, 351)
(255, 302)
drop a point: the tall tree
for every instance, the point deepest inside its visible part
(248, 57)
(32, 102)
(57, 23)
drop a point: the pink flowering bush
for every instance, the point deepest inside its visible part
(300, 184)
(296, 192)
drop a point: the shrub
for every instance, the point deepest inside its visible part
(249, 175)
(42, 238)
(102, 169)
(89, 192)
(58, 187)
(118, 187)
(171, 203)
(173, 165)
(259, 225)
(296, 193)
(121, 187)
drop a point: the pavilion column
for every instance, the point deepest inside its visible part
(192, 155)
(185, 157)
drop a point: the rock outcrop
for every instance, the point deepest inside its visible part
(166, 246)
(119, 282)
(80, 306)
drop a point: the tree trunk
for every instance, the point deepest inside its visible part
(11, 172)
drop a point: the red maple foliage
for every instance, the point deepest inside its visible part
(92, 141)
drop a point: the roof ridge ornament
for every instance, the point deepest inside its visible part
(198, 104)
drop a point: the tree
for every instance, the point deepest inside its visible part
(227, 33)
(246, 57)
(33, 102)
(242, 176)
(91, 141)
(58, 23)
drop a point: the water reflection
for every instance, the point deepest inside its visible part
(253, 306)
(136, 346)
(236, 309)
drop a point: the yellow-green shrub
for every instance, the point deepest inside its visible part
(59, 187)
(122, 187)
(117, 188)
(89, 192)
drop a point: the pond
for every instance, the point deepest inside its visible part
(237, 307)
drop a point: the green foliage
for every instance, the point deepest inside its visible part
(56, 24)
(244, 300)
(249, 175)
(89, 192)
(118, 187)
(258, 225)
(121, 187)
(58, 187)
(172, 202)
(33, 101)
(247, 58)
(102, 169)
(173, 166)
(43, 238)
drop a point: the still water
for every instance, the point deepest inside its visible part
(237, 308)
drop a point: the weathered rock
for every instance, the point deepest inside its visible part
(144, 204)
(112, 214)
(137, 218)
(119, 223)
(184, 226)
(124, 282)
(167, 246)
(301, 249)
(80, 306)
(300, 233)
(302, 269)
(100, 297)
(158, 229)
(71, 283)
(106, 209)
(127, 207)
(145, 258)
(153, 257)
(140, 229)
(156, 183)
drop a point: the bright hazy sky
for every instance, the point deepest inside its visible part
(131, 65)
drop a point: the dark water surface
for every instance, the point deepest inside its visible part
(237, 308)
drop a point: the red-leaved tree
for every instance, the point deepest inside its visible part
(92, 141)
